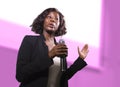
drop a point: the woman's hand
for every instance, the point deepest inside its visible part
(83, 53)
(58, 50)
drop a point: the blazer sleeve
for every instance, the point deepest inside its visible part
(76, 66)
(27, 70)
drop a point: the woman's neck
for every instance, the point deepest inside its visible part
(48, 37)
(49, 40)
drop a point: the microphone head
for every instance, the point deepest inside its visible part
(61, 41)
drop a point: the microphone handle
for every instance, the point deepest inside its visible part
(63, 64)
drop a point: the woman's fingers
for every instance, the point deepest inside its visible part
(59, 50)
(83, 53)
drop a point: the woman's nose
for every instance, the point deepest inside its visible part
(52, 19)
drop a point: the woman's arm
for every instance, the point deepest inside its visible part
(78, 64)
(27, 70)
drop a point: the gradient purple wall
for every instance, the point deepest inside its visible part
(105, 76)
(108, 75)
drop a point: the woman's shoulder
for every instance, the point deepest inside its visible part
(30, 38)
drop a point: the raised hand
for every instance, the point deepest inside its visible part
(83, 53)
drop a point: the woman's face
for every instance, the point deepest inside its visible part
(51, 22)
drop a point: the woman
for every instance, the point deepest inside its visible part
(38, 63)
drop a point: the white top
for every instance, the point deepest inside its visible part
(54, 73)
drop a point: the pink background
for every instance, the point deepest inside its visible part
(106, 75)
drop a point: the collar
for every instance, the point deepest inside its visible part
(43, 38)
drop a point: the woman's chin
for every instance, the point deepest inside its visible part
(50, 31)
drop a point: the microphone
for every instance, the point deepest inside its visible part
(63, 62)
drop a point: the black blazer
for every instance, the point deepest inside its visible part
(33, 64)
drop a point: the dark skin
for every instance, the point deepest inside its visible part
(51, 24)
(58, 50)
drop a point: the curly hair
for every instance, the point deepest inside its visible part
(37, 25)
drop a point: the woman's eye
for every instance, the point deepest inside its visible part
(48, 16)
(57, 19)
